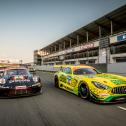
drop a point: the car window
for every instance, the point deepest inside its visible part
(22, 72)
(17, 72)
(83, 71)
(67, 70)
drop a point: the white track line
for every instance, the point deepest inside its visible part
(121, 108)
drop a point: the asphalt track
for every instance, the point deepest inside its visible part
(56, 107)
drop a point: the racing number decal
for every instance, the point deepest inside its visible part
(68, 80)
(71, 81)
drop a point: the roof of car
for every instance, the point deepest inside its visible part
(13, 68)
(74, 66)
(80, 66)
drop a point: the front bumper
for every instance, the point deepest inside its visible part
(12, 92)
(109, 98)
(115, 98)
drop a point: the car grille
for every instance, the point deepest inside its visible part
(21, 92)
(119, 90)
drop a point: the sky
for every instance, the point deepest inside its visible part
(27, 25)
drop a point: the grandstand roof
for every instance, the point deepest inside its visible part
(118, 17)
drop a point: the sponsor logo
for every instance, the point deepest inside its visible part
(25, 81)
(87, 46)
(21, 87)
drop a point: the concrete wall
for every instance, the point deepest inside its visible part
(46, 68)
(101, 67)
(117, 68)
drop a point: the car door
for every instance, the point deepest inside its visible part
(64, 77)
(69, 79)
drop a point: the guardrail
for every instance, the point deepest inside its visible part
(116, 68)
(46, 68)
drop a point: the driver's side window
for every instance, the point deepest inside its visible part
(78, 72)
(67, 70)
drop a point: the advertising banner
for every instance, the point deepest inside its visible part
(121, 38)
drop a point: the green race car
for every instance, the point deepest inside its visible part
(89, 83)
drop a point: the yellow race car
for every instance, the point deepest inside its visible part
(89, 83)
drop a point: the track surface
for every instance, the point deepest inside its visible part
(56, 107)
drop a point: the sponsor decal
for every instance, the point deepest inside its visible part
(118, 82)
(108, 76)
(21, 87)
(104, 94)
(4, 87)
(114, 79)
(74, 82)
(62, 78)
(25, 81)
(87, 46)
(18, 78)
(69, 79)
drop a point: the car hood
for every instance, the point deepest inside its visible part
(107, 79)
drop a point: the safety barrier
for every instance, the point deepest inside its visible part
(116, 68)
(46, 68)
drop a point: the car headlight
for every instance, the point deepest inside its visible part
(35, 79)
(2, 81)
(100, 85)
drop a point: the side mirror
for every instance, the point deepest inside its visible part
(99, 71)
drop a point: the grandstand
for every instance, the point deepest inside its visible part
(101, 41)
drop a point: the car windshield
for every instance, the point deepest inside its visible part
(83, 71)
(17, 72)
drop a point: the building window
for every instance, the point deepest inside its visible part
(120, 59)
(91, 61)
(118, 49)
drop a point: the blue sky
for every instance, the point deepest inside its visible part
(26, 25)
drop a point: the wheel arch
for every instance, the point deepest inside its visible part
(82, 82)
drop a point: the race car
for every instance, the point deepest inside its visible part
(31, 70)
(89, 83)
(19, 82)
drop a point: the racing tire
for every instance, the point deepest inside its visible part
(56, 82)
(84, 91)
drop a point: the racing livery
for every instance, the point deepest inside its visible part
(89, 83)
(19, 82)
